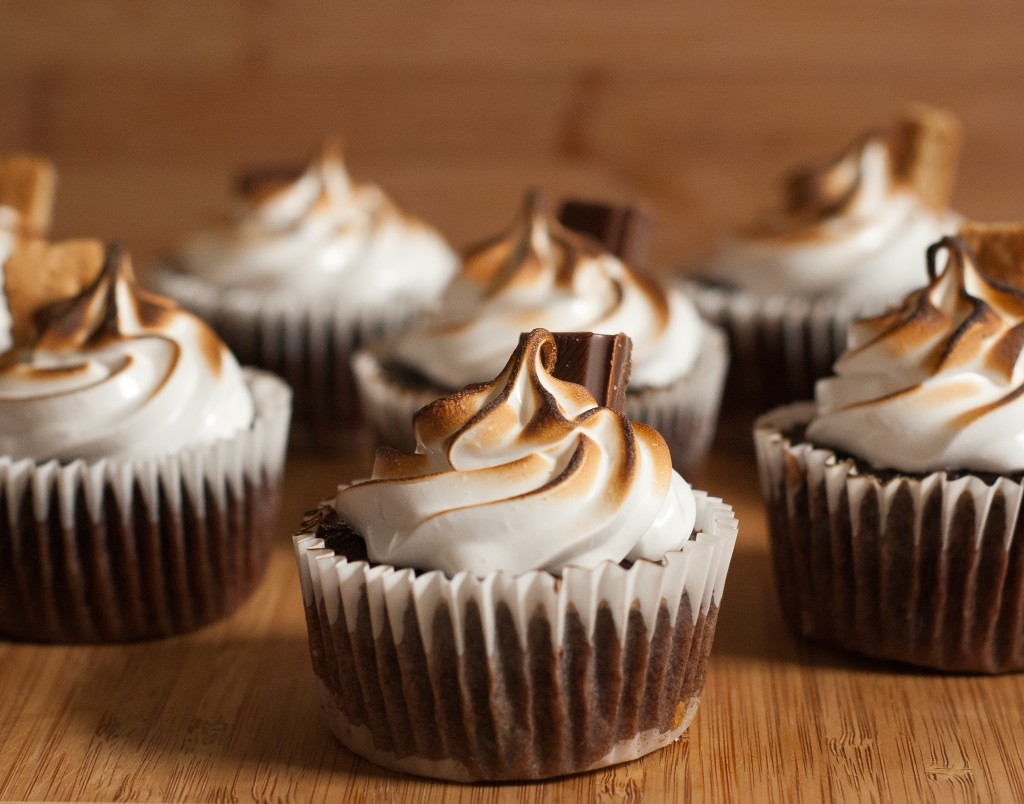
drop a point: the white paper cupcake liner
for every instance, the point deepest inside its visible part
(117, 550)
(513, 676)
(925, 569)
(685, 413)
(780, 345)
(307, 342)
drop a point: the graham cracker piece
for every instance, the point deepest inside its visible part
(998, 250)
(39, 273)
(27, 184)
(925, 147)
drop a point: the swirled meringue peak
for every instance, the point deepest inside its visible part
(938, 383)
(539, 274)
(316, 233)
(855, 226)
(524, 472)
(116, 372)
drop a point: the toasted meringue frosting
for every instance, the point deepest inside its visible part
(116, 372)
(855, 227)
(8, 239)
(525, 472)
(538, 274)
(320, 234)
(937, 383)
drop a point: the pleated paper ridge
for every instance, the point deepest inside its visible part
(780, 344)
(124, 549)
(921, 569)
(308, 342)
(514, 677)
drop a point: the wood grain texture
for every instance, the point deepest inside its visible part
(456, 107)
(230, 713)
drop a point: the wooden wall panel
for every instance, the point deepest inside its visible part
(456, 106)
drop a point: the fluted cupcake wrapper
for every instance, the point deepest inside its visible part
(117, 550)
(307, 342)
(685, 412)
(514, 676)
(921, 569)
(780, 345)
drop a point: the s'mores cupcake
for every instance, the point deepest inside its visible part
(894, 502)
(539, 273)
(139, 464)
(532, 592)
(307, 267)
(843, 241)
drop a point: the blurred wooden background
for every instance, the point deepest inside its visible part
(455, 107)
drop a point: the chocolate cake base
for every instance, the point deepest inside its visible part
(923, 569)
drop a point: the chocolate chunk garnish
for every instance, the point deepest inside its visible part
(624, 230)
(599, 362)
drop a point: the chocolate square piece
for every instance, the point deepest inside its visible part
(624, 230)
(599, 362)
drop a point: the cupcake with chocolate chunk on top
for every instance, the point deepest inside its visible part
(844, 241)
(895, 503)
(139, 464)
(532, 593)
(540, 274)
(308, 267)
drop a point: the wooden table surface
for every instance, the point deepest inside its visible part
(230, 713)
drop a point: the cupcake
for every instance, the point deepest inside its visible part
(540, 274)
(308, 267)
(894, 503)
(532, 593)
(844, 241)
(139, 464)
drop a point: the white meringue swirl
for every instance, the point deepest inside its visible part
(853, 228)
(118, 373)
(523, 473)
(937, 383)
(320, 234)
(539, 274)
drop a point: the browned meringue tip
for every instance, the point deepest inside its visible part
(822, 189)
(72, 321)
(925, 147)
(259, 183)
(534, 205)
(332, 149)
(27, 184)
(39, 273)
